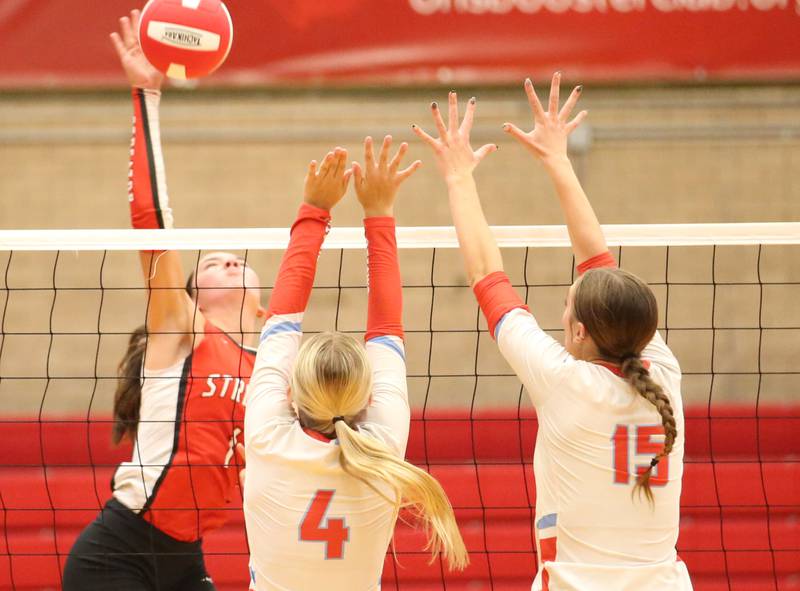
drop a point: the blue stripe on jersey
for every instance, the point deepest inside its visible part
(500, 323)
(547, 521)
(387, 341)
(280, 327)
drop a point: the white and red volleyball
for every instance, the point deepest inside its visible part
(186, 38)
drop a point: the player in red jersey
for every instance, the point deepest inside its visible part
(608, 459)
(181, 390)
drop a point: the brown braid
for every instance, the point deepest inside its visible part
(620, 313)
(640, 379)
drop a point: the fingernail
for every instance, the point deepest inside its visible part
(579, 88)
(558, 73)
(528, 82)
(473, 100)
(413, 126)
(434, 105)
(452, 92)
(496, 147)
(506, 126)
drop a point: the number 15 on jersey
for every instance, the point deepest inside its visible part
(315, 528)
(643, 446)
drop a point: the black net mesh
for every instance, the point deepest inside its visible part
(730, 313)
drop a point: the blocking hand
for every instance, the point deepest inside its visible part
(377, 183)
(325, 185)
(454, 154)
(548, 139)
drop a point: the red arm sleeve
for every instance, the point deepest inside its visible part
(497, 297)
(147, 184)
(598, 261)
(385, 309)
(299, 264)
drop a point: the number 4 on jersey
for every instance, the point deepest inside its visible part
(333, 532)
(645, 446)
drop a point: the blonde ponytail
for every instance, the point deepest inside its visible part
(331, 386)
(370, 461)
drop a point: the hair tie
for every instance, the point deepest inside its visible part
(336, 419)
(654, 462)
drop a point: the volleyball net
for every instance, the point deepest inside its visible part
(729, 298)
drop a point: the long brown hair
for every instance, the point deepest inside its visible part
(128, 395)
(620, 313)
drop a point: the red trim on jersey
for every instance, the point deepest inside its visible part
(548, 549)
(143, 186)
(299, 264)
(615, 369)
(385, 309)
(317, 435)
(497, 297)
(604, 260)
(211, 328)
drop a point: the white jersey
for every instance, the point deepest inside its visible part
(309, 524)
(595, 434)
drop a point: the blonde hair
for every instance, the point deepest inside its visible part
(332, 379)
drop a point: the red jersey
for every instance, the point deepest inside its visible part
(182, 473)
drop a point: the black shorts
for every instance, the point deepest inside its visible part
(120, 551)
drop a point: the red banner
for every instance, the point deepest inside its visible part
(406, 42)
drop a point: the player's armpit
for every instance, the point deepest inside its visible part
(389, 405)
(267, 393)
(172, 321)
(540, 362)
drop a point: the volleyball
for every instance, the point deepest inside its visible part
(186, 38)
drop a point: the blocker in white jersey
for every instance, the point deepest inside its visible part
(310, 523)
(326, 423)
(594, 438)
(608, 460)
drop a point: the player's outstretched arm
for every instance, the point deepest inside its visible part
(171, 313)
(325, 185)
(376, 183)
(456, 161)
(548, 142)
